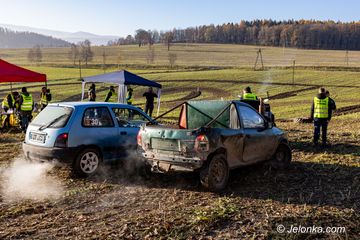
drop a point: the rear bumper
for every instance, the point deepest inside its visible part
(170, 161)
(37, 153)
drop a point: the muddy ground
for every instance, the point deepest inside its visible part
(321, 188)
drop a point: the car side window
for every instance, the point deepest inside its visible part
(97, 117)
(250, 118)
(128, 117)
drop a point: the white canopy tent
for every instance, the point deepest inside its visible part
(122, 79)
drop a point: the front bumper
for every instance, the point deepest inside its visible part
(37, 153)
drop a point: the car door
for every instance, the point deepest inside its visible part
(258, 142)
(129, 121)
(232, 139)
(98, 129)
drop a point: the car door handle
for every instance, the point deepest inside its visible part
(123, 133)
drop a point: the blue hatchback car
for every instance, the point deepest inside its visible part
(83, 134)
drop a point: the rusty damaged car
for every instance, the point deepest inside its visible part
(211, 138)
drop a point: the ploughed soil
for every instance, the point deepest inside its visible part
(320, 188)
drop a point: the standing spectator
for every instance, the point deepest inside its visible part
(321, 114)
(149, 106)
(111, 96)
(9, 103)
(331, 101)
(129, 96)
(45, 97)
(92, 93)
(26, 105)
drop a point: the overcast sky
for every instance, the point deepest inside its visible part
(122, 17)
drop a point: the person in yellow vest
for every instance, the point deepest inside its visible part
(248, 95)
(26, 105)
(45, 97)
(111, 96)
(129, 96)
(9, 103)
(321, 112)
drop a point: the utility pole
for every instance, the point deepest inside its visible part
(80, 69)
(293, 73)
(347, 58)
(104, 59)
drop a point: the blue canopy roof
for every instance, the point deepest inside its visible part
(122, 77)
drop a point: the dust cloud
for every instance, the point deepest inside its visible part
(25, 180)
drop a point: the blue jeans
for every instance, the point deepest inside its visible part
(320, 123)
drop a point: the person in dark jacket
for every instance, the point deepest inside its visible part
(111, 95)
(321, 112)
(150, 96)
(331, 101)
(92, 93)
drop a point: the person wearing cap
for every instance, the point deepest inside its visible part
(129, 96)
(111, 95)
(26, 106)
(248, 95)
(92, 93)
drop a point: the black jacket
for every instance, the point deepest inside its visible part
(322, 96)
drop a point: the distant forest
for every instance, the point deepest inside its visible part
(12, 39)
(307, 34)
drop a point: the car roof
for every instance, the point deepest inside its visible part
(90, 104)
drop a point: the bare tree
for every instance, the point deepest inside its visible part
(168, 38)
(141, 37)
(150, 57)
(172, 59)
(86, 53)
(73, 54)
(104, 60)
(35, 55)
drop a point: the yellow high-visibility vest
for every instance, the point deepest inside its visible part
(321, 107)
(129, 100)
(249, 96)
(43, 99)
(5, 102)
(27, 104)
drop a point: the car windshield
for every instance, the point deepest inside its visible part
(53, 116)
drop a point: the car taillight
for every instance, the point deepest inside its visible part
(139, 139)
(61, 140)
(201, 143)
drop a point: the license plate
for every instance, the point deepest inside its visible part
(36, 137)
(164, 144)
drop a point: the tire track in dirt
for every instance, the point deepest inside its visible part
(255, 83)
(347, 110)
(291, 93)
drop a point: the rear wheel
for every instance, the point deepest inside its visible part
(215, 175)
(87, 162)
(282, 157)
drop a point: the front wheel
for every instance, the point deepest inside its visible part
(282, 157)
(87, 162)
(215, 175)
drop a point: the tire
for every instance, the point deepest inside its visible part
(282, 157)
(87, 162)
(215, 175)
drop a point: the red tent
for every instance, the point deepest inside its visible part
(12, 73)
